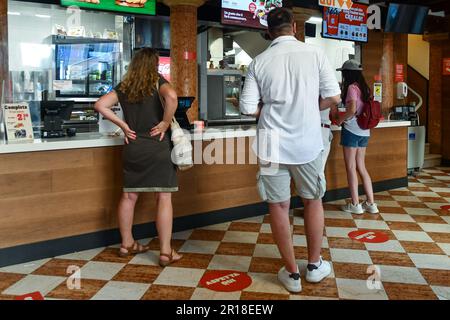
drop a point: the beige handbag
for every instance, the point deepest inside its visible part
(182, 147)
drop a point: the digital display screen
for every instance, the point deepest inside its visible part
(248, 13)
(406, 18)
(147, 7)
(343, 24)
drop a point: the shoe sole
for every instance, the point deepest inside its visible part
(317, 281)
(290, 289)
(349, 211)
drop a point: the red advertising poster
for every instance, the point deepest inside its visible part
(164, 67)
(248, 13)
(446, 67)
(399, 73)
(346, 24)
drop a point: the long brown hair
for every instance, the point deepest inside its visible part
(355, 76)
(142, 75)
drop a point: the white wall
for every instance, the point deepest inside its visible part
(29, 49)
(419, 54)
(337, 51)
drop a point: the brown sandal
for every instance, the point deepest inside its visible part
(171, 260)
(131, 250)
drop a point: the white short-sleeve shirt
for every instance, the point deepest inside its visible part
(288, 79)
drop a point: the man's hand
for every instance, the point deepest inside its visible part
(160, 129)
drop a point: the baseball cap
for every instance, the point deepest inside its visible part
(351, 65)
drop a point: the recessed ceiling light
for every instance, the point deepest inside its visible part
(13, 13)
(315, 20)
(44, 16)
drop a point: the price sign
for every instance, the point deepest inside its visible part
(18, 124)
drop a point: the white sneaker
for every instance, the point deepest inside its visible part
(291, 281)
(370, 207)
(316, 274)
(353, 208)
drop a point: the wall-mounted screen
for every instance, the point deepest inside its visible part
(344, 24)
(406, 18)
(147, 7)
(248, 13)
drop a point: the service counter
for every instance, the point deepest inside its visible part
(61, 196)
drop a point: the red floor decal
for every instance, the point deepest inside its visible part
(368, 236)
(31, 296)
(445, 208)
(225, 280)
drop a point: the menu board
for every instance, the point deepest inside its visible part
(18, 124)
(147, 7)
(248, 13)
(343, 24)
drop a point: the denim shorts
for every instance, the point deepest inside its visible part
(351, 140)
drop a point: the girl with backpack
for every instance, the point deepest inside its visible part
(354, 139)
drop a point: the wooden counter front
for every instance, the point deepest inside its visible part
(57, 194)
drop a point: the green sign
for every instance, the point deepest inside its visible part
(147, 7)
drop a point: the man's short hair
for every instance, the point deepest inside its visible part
(279, 19)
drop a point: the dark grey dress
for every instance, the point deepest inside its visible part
(147, 164)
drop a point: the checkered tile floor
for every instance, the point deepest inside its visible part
(413, 264)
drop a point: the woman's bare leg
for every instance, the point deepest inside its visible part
(164, 221)
(365, 176)
(352, 175)
(126, 215)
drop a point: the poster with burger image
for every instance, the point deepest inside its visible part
(248, 13)
(147, 7)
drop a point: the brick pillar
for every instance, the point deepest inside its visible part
(183, 49)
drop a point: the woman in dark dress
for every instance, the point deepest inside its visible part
(147, 164)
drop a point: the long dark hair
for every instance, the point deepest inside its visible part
(350, 77)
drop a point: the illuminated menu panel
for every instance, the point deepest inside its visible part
(248, 13)
(343, 24)
(147, 7)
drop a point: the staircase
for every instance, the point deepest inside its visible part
(431, 160)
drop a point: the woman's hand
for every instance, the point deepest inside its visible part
(129, 134)
(160, 129)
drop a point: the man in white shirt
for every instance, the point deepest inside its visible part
(282, 88)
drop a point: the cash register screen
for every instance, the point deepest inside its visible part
(184, 103)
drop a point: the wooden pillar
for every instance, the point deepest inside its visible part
(183, 49)
(435, 98)
(4, 61)
(387, 72)
(400, 57)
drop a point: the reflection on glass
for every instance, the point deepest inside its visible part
(232, 91)
(91, 68)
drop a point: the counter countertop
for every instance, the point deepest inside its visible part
(96, 140)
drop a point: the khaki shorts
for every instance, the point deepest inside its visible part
(309, 180)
